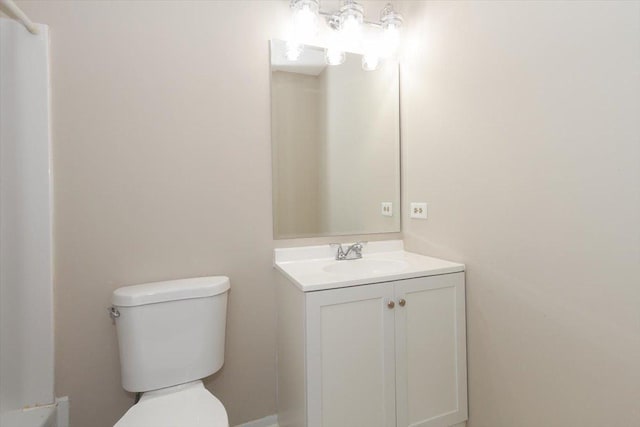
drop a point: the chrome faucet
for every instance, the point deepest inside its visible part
(352, 252)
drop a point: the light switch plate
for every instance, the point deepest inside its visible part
(418, 210)
(387, 208)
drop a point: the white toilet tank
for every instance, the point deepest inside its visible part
(170, 332)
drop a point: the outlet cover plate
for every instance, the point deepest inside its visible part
(418, 210)
(387, 208)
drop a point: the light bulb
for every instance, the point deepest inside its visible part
(351, 33)
(305, 20)
(351, 18)
(390, 40)
(351, 25)
(371, 56)
(391, 24)
(335, 56)
(369, 62)
(293, 51)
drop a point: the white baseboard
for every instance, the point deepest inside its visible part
(62, 411)
(270, 421)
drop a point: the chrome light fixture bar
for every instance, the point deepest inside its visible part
(346, 32)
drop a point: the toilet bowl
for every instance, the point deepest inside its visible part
(171, 335)
(183, 405)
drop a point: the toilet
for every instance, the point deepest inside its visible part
(171, 335)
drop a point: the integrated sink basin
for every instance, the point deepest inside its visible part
(365, 266)
(315, 268)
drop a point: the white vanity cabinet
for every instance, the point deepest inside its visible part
(373, 355)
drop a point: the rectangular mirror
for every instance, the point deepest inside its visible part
(335, 133)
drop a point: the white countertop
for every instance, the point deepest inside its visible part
(306, 267)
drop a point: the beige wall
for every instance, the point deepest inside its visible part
(162, 163)
(521, 130)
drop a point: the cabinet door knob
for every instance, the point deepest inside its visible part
(391, 304)
(402, 302)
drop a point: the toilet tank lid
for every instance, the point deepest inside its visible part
(171, 290)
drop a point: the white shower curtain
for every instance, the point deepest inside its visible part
(26, 290)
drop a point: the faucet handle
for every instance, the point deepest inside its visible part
(358, 246)
(339, 252)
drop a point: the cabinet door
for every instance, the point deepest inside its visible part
(431, 370)
(351, 357)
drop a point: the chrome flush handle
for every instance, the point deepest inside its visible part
(113, 312)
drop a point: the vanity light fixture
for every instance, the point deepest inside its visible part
(346, 26)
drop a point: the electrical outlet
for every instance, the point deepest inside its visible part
(387, 209)
(418, 210)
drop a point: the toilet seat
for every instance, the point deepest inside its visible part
(185, 405)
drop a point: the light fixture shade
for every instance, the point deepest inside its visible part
(391, 22)
(305, 20)
(352, 10)
(351, 19)
(293, 51)
(335, 56)
(390, 41)
(389, 17)
(370, 62)
(372, 53)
